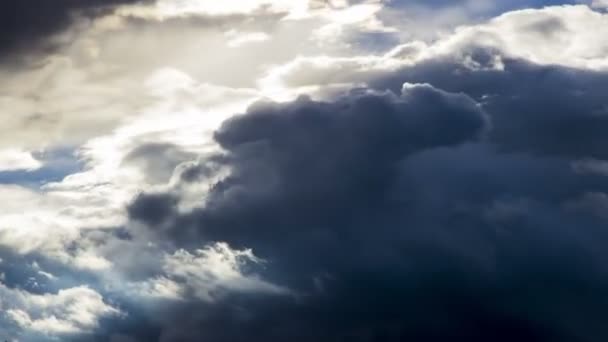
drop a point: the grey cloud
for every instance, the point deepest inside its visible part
(411, 217)
(153, 209)
(26, 24)
(540, 109)
(274, 152)
(158, 160)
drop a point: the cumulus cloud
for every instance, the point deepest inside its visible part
(435, 199)
(70, 311)
(208, 274)
(564, 35)
(346, 224)
(11, 160)
(559, 35)
(381, 127)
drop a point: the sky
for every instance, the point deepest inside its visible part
(303, 170)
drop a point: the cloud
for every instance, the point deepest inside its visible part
(86, 87)
(12, 160)
(441, 241)
(599, 4)
(47, 224)
(289, 202)
(559, 35)
(381, 126)
(430, 215)
(37, 21)
(58, 103)
(209, 274)
(165, 9)
(538, 109)
(70, 311)
(553, 35)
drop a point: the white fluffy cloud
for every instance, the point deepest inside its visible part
(164, 9)
(13, 160)
(208, 274)
(564, 35)
(69, 311)
(49, 219)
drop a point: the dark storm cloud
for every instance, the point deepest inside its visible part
(541, 109)
(400, 218)
(313, 161)
(153, 209)
(24, 24)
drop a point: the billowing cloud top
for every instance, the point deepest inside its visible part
(272, 170)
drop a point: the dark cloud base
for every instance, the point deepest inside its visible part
(25, 25)
(414, 217)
